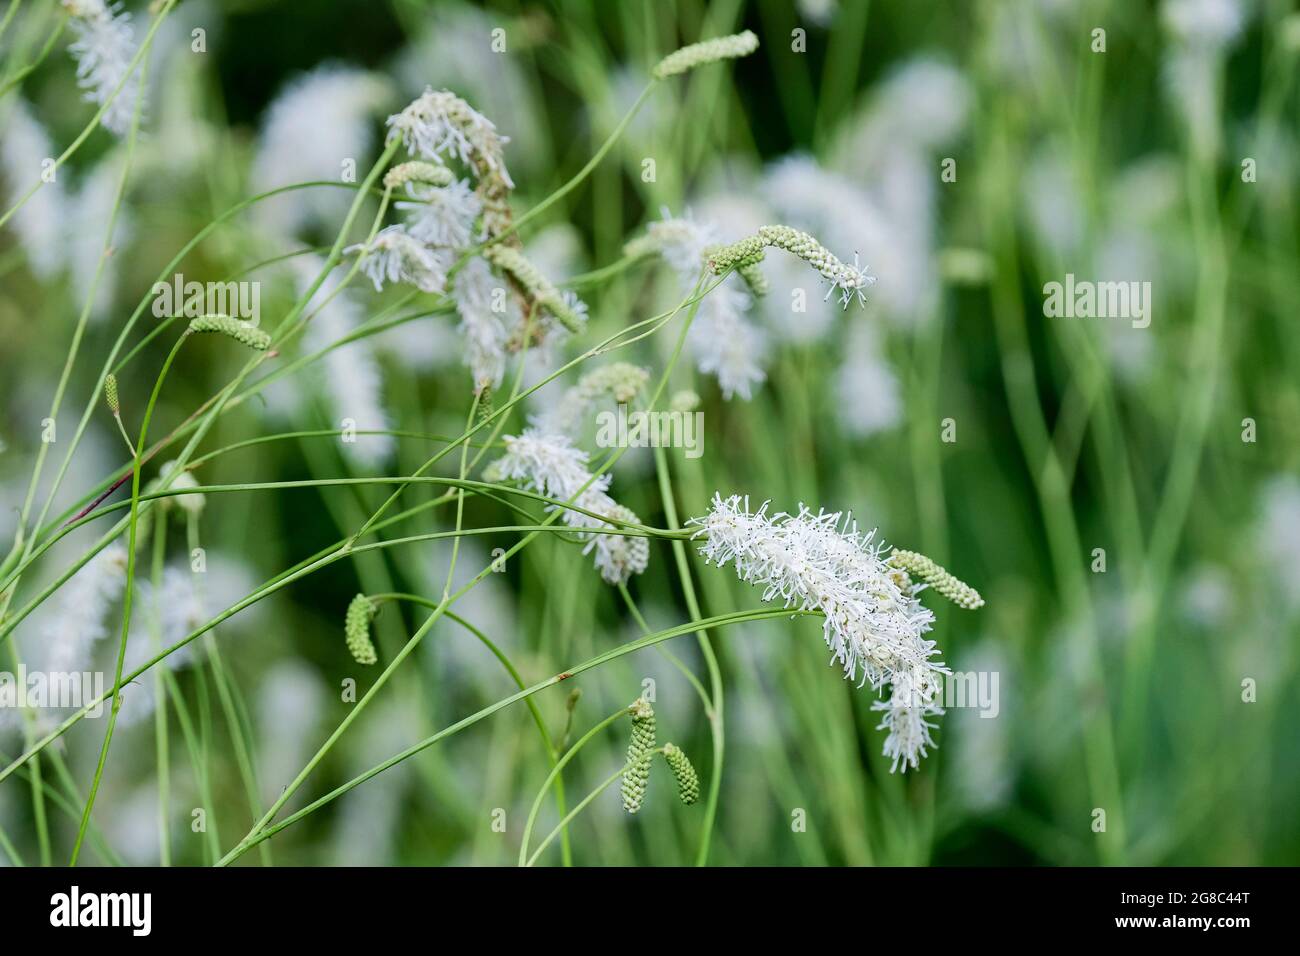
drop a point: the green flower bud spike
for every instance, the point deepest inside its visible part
(110, 394)
(417, 172)
(955, 590)
(708, 51)
(245, 333)
(356, 627)
(688, 781)
(743, 255)
(115, 406)
(640, 751)
(538, 288)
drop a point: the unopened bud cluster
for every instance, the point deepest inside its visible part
(245, 333)
(705, 52)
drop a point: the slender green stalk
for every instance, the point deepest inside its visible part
(162, 745)
(126, 612)
(554, 777)
(136, 63)
(719, 621)
(563, 825)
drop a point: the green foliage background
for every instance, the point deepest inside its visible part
(1120, 690)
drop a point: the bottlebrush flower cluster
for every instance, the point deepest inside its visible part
(874, 624)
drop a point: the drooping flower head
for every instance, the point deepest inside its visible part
(873, 622)
(440, 122)
(551, 465)
(822, 561)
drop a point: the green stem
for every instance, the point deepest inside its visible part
(563, 825)
(554, 776)
(161, 743)
(126, 612)
(721, 620)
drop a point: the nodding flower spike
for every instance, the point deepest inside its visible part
(954, 589)
(640, 750)
(537, 286)
(245, 333)
(356, 627)
(110, 394)
(851, 281)
(688, 781)
(417, 172)
(705, 52)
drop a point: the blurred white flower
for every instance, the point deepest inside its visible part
(89, 212)
(726, 343)
(921, 104)
(552, 466)
(444, 215)
(132, 828)
(819, 12)
(159, 619)
(349, 379)
(449, 52)
(1053, 202)
(682, 242)
(1207, 596)
(289, 706)
(980, 753)
(1206, 23)
(394, 255)
(868, 391)
(1278, 534)
(319, 122)
(365, 826)
(484, 330)
(792, 311)
(1201, 30)
(25, 149)
(439, 122)
(81, 607)
(103, 48)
